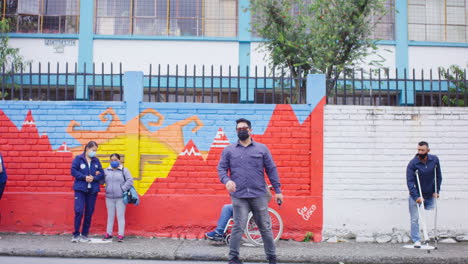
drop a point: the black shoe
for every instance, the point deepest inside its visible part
(235, 260)
(272, 260)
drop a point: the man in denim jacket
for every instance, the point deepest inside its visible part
(426, 165)
(3, 176)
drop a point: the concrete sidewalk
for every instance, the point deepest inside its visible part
(175, 249)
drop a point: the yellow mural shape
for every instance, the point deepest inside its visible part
(148, 155)
(156, 159)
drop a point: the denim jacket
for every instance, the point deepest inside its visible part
(426, 176)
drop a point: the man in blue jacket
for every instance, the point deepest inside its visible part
(428, 168)
(241, 169)
(3, 176)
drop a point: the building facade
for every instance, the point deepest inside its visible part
(421, 34)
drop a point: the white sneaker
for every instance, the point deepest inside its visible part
(84, 239)
(417, 244)
(75, 239)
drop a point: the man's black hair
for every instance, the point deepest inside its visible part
(243, 120)
(423, 143)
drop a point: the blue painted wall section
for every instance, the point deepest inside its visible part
(316, 87)
(53, 118)
(133, 92)
(401, 49)
(85, 49)
(246, 95)
(213, 116)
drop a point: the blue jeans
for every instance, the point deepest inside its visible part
(413, 209)
(259, 208)
(226, 214)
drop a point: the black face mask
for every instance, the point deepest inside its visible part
(422, 156)
(243, 135)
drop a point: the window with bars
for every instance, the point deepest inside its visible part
(385, 26)
(42, 16)
(199, 18)
(438, 20)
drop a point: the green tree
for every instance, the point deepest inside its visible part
(317, 36)
(457, 85)
(10, 58)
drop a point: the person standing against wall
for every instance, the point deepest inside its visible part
(118, 180)
(428, 168)
(88, 172)
(3, 178)
(241, 169)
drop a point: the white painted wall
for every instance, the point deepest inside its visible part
(385, 53)
(258, 56)
(432, 57)
(35, 50)
(366, 151)
(137, 55)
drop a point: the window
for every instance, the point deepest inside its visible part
(385, 27)
(208, 18)
(42, 16)
(435, 20)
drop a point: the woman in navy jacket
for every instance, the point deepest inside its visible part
(88, 172)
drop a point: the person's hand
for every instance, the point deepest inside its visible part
(97, 173)
(435, 195)
(419, 200)
(231, 186)
(279, 196)
(89, 178)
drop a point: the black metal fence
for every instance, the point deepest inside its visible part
(61, 82)
(384, 87)
(210, 84)
(162, 83)
(223, 85)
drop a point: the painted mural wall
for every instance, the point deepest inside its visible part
(172, 151)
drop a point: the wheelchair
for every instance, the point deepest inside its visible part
(252, 233)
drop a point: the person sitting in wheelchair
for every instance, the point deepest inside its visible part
(223, 220)
(218, 233)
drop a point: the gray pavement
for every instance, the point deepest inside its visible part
(203, 250)
(44, 260)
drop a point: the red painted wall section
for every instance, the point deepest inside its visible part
(31, 163)
(185, 204)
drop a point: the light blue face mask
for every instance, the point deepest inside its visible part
(92, 154)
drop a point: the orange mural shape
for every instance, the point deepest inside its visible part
(171, 135)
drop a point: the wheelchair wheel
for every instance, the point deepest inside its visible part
(227, 239)
(253, 233)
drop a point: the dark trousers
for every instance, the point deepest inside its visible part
(2, 188)
(84, 205)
